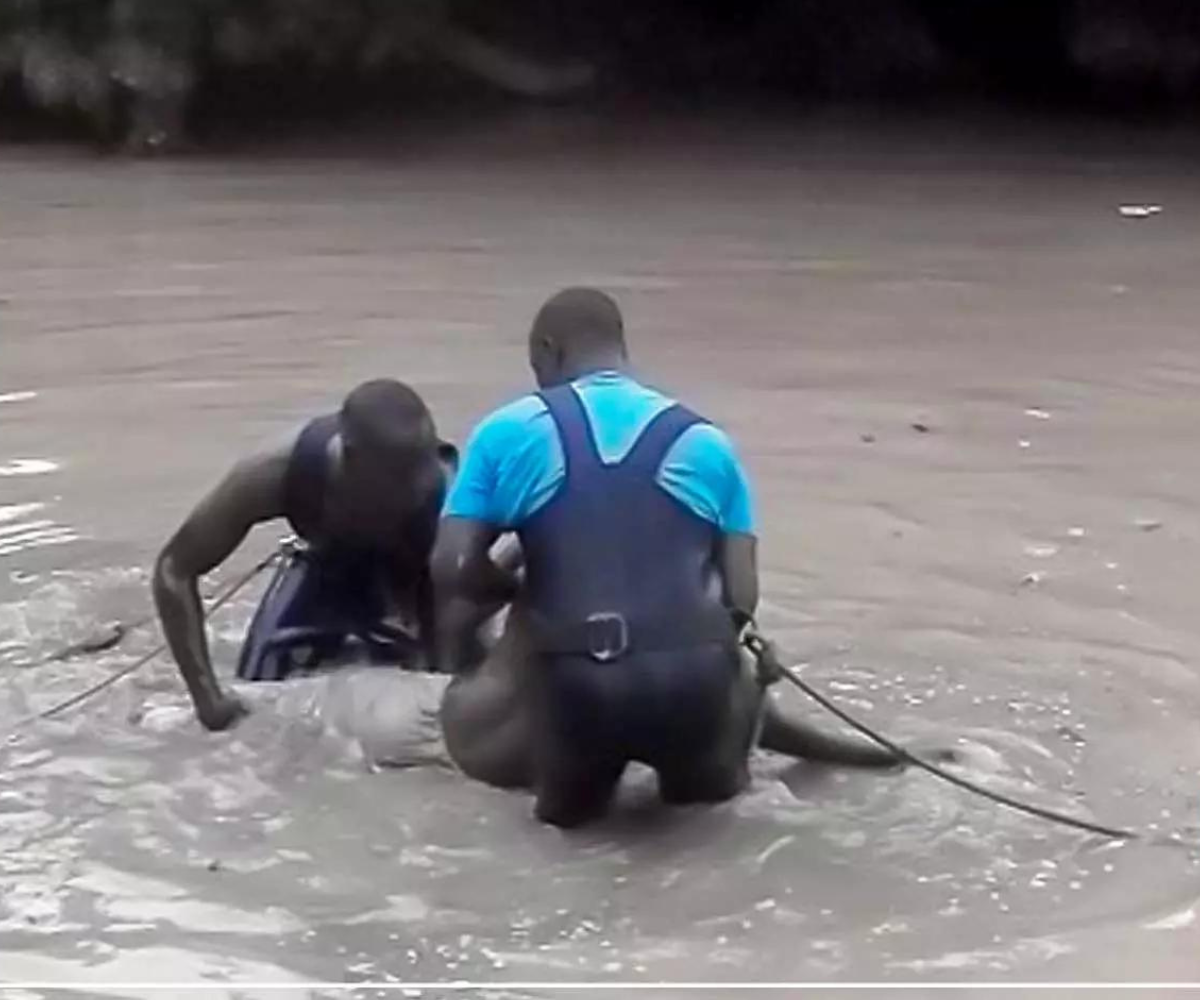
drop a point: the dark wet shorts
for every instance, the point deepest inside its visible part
(314, 605)
(690, 715)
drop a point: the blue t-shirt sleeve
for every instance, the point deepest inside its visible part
(703, 471)
(511, 466)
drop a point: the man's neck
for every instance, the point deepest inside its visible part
(597, 366)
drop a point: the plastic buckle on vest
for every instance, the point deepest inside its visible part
(292, 546)
(607, 636)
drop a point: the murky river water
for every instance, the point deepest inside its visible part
(1018, 580)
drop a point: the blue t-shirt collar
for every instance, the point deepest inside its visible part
(604, 375)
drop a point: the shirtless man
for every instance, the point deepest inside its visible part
(638, 533)
(363, 487)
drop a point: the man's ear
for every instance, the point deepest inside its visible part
(448, 455)
(548, 348)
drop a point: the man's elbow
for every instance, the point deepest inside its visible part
(169, 578)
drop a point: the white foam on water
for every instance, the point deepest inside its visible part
(30, 907)
(399, 910)
(110, 771)
(105, 881)
(120, 974)
(128, 898)
(989, 959)
(11, 532)
(200, 917)
(163, 718)
(1174, 921)
(27, 467)
(226, 791)
(42, 537)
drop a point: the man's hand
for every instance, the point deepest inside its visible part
(222, 713)
(768, 667)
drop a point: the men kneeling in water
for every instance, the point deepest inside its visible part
(637, 530)
(363, 488)
(621, 644)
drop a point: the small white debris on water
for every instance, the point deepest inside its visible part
(1032, 579)
(1139, 211)
(777, 845)
(1023, 443)
(1076, 532)
(1037, 414)
(17, 397)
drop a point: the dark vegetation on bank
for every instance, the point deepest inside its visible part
(152, 74)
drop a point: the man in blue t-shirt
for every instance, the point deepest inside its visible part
(637, 528)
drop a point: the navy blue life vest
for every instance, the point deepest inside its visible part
(614, 564)
(306, 484)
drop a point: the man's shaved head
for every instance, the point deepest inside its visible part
(576, 331)
(384, 416)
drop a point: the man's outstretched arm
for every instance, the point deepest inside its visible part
(251, 492)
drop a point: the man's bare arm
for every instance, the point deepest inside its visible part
(251, 492)
(737, 560)
(468, 584)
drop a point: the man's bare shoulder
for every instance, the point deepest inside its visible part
(266, 466)
(254, 488)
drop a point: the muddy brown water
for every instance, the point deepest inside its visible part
(1017, 579)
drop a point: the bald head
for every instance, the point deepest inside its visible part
(577, 331)
(384, 417)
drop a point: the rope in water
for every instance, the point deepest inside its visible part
(766, 655)
(763, 651)
(114, 632)
(221, 598)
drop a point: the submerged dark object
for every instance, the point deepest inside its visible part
(105, 638)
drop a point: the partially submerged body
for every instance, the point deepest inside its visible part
(487, 723)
